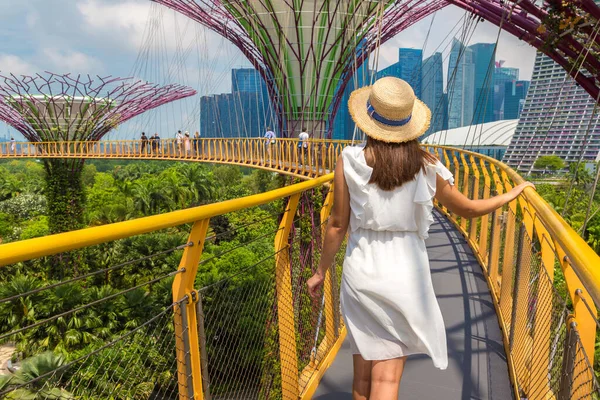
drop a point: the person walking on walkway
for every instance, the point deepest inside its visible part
(302, 146)
(144, 144)
(270, 137)
(13, 145)
(383, 192)
(187, 144)
(179, 142)
(197, 143)
(155, 143)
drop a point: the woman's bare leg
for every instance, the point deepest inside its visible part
(385, 378)
(361, 383)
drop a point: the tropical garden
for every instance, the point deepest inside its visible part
(125, 286)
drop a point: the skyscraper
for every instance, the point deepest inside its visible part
(245, 112)
(432, 91)
(461, 88)
(411, 62)
(501, 76)
(483, 102)
(249, 80)
(343, 125)
(392, 70)
(514, 97)
(556, 119)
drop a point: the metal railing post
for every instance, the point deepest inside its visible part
(203, 352)
(186, 349)
(288, 355)
(568, 363)
(183, 286)
(515, 291)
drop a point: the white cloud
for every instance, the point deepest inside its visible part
(61, 61)
(10, 63)
(124, 22)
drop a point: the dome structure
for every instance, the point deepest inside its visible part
(491, 138)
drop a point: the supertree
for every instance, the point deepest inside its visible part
(63, 108)
(307, 51)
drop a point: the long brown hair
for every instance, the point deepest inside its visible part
(395, 163)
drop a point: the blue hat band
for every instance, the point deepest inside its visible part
(380, 118)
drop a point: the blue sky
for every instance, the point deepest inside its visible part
(105, 36)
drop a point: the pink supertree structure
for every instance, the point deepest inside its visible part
(64, 108)
(53, 107)
(307, 50)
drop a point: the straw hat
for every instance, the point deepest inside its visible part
(389, 111)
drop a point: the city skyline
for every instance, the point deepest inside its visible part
(474, 95)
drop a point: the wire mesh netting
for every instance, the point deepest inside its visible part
(532, 293)
(547, 355)
(259, 329)
(240, 333)
(140, 363)
(102, 329)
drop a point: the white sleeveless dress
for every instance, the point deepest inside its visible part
(387, 297)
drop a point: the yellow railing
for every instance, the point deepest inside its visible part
(524, 249)
(282, 155)
(300, 368)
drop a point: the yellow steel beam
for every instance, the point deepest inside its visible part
(183, 285)
(316, 372)
(288, 355)
(11, 253)
(328, 284)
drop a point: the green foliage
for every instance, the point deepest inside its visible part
(552, 163)
(35, 227)
(65, 196)
(24, 206)
(6, 226)
(112, 194)
(38, 369)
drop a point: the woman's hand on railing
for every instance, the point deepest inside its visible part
(517, 190)
(314, 283)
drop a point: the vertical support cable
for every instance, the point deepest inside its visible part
(568, 364)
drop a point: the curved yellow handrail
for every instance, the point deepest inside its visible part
(285, 156)
(582, 257)
(45, 246)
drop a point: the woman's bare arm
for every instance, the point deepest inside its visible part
(337, 226)
(459, 204)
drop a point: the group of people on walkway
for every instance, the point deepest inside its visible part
(184, 144)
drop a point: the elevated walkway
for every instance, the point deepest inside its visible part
(520, 301)
(477, 367)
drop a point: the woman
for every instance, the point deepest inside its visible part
(186, 144)
(383, 192)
